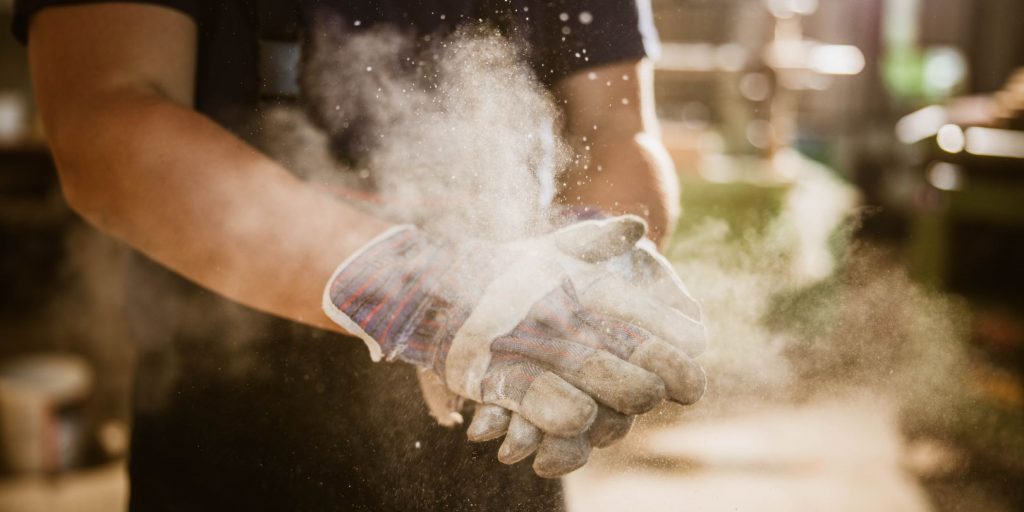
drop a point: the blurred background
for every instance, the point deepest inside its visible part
(853, 169)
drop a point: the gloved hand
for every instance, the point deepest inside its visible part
(642, 265)
(532, 326)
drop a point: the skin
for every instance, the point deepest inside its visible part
(114, 83)
(624, 168)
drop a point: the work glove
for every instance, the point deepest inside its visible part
(535, 326)
(641, 265)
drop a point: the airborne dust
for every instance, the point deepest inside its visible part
(460, 138)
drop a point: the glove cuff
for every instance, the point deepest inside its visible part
(332, 296)
(387, 291)
(399, 295)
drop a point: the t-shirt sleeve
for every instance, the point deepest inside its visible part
(25, 9)
(571, 35)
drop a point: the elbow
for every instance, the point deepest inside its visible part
(85, 182)
(73, 179)
(74, 182)
(81, 200)
(99, 140)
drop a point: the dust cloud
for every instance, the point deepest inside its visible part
(866, 328)
(450, 133)
(462, 140)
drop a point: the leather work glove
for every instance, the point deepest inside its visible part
(534, 327)
(643, 266)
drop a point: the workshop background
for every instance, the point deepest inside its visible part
(854, 170)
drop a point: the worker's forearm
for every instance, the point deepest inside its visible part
(184, 191)
(627, 175)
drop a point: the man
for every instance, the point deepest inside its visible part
(145, 105)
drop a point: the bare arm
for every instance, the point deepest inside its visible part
(114, 84)
(626, 169)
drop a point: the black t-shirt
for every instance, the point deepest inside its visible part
(235, 410)
(564, 36)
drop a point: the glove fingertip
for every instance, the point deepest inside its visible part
(559, 456)
(489, 422)
(685, 380)
(609, 427)
(522, 440)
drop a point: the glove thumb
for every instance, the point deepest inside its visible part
(594, 241)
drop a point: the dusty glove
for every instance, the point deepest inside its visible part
(643, 266)
(521, 325)
(555, 456)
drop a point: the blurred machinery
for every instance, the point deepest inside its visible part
(972, 158)
(732, 83)
(740, 82)
(913, 102)
(967, 229)
(759, 71)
